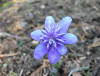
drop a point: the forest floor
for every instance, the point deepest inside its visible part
(18, 18)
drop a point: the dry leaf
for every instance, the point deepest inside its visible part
(18, 1)
(38, 72)
(8, 44)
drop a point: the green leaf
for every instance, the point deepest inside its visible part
(52, 74)
(20, 43)
(88, 73)
(58, 65)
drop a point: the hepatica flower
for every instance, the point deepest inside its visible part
(53, 39)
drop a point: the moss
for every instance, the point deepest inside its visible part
(7, 4)
(11, 73)
(70, 9)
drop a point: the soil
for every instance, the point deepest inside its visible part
(19, 19)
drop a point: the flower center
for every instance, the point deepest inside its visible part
(52, 36)
(51, 43)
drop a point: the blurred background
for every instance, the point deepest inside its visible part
(18, 18)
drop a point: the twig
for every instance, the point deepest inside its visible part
(45, 74)
(0, 61)
(6, 55)
(95, 43)
(20, 74)
(78, 69)
(4, 34)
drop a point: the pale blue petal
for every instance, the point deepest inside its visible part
(53, 55)
(62, 49)
(50, 23)
(40, 51)
(64, 24)
(36, 35)
(69, 38)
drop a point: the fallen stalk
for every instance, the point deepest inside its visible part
(7, 55)
(4, 34)
(78, 69)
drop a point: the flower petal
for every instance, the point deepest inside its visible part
(53, 55)
(69, 38)
(40, 51)
(36, 35)
(62, 49)
(50, 23)
(64, 24)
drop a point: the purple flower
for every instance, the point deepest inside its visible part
(53, 39)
